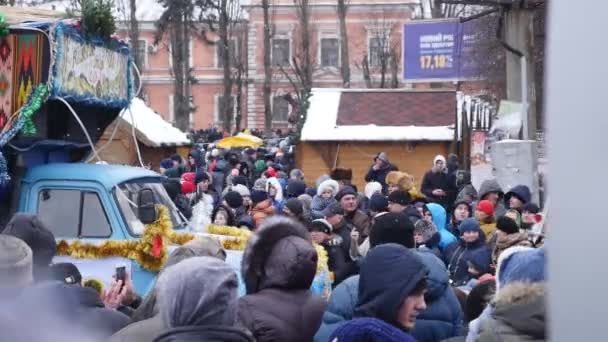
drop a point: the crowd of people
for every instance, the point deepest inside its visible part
(442, 262)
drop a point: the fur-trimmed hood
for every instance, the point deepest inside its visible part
(280, 255)
(330, 185)
(519, 313)
(274, 182)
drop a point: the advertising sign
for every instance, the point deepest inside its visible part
(438, 50)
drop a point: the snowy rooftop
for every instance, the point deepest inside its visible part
(150, 128)
(379, 115)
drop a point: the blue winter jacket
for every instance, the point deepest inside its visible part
(442, 318)
(439, 219)
(458, 254)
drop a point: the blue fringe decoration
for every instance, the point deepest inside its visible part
(61, 31)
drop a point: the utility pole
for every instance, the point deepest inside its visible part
(518, 33)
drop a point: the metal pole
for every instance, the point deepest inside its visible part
(524, 97)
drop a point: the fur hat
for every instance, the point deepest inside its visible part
(401, 179)
(439, 157)
(261, 245)
(242, 190)
(372, 188)
(392, 228)
(426, 229)
(330, 185)
(400, 197)
(320, 225)
(507, 225)
(233, 199)
(341, 174)
(378, 203)
(15, 263)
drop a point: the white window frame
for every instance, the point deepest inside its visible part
(369, 49)
(319, 54)
(281, 37)
(216, 61)
(289, 109)
(146, 44)
(190, 58)
(216, 109)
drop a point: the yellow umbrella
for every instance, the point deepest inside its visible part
(241, 140)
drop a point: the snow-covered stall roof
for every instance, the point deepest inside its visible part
(150, 128)
(333, 117)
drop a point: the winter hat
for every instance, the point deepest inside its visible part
(295, 188)
(259, 166)
(520, 263)
(16, 263)
(400, 197)
(233, 199)
(202, 176)
(65, 272)
(426, 229)
(166, 163)
(481, 259)
(189, 177)
(372, 188)
(347, 190)
(437, 158)
(258, 196)
(330, 185)
(469, 225)
(242, 190)
(507, 225)
(369, 330)
(382, 156)
(531, 208)
(520, 191)
(215, 153)
(260, 184)
(188, 187)
(320, 225)
(378, 203)
(486, 207)
(34, 233)
(392, 228)
(333, 209)
(400, 179)
(296, 174)
(341, 174)
(295, 206)
(271, 173)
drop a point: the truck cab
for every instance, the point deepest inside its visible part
(94, 203)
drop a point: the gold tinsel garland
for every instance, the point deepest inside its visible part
(143, 250)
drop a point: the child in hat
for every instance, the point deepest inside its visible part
(325, 197)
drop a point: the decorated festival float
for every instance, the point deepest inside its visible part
(62, 83)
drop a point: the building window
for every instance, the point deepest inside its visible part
(73, 213)
(232, 50)
(281, 52)
(220, 107)
(280, 109)
(142, 51)
(377, 51)
(330, 52)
